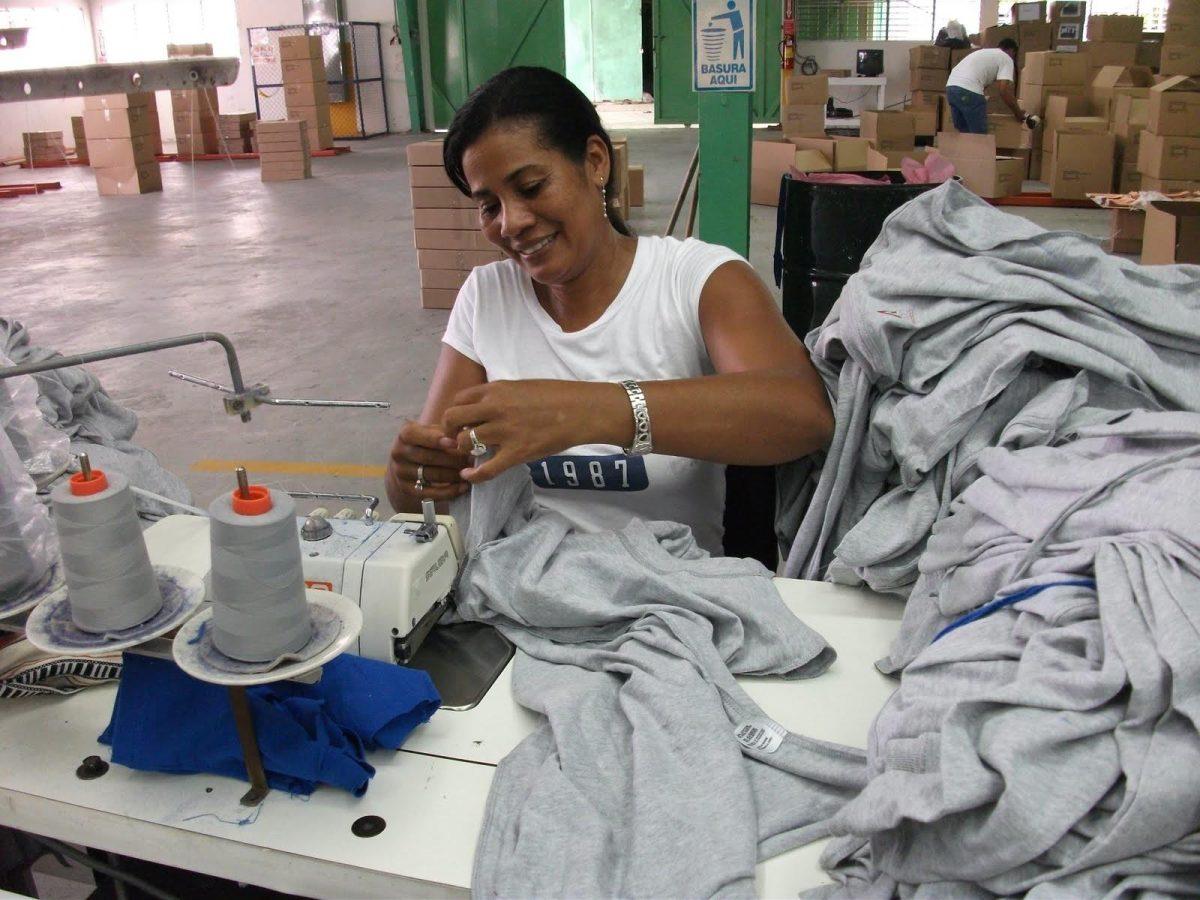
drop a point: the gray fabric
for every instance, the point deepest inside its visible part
(961, 320)
(635, 785)
(1052, 748)
(73, 401)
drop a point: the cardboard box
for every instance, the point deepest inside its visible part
(1150, 183)
(424, 153)
(312, 69)
(123, 180)
(803, 121)
(300, 46)
(1175, 107)
(1115, 28)
(289, 155)
(446, 218)
(442, 239)
(994, 34)
(848, 154)
(982, 171)
(432, 298)
(812, 161)
(926, 122)
(1034, 172)
(927, 79)
(1128, 182)
(457, 259)
(1129, 114)
(1073, 125)
(1028, 12)
(1009, 133)
(1033, 97)
(1109, 53)
(1067, 10)
(1066, 36)
(929, 58)
(1180, 59)
(189, 50)
(118, 101)
(807, 90)
(769, 162)
(1125, 230)
(317, 123)
(1034, 37)
(1149, 54)
(1082, 165)
(957, 56)
(306, 93)
(429, 176)
(111, 153)
(1051, 68)
(193, 123)
(203, 144)
(1183, 25)
(927, 100)
(884, 160)
(444, 279)
(441, 198)
(290, 170)
(81, 152)
(888, 129)
(637, 185)
(1135, 81)
(1059, 107)
(116, 123)
(1172, 233)
(1168, 156)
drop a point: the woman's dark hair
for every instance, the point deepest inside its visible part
(564, 117)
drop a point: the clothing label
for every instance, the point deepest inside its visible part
(763, 735)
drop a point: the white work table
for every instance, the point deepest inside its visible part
(431, 793)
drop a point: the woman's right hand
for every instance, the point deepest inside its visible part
(421, 445)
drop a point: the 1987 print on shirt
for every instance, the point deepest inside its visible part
(591, 473)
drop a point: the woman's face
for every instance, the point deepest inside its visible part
(535, 204)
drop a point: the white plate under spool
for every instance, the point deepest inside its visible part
(52, 581)
(50, 628)
(194, 651)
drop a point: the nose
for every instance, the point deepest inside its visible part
(515, 217)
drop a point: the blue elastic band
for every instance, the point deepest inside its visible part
(1000, 602)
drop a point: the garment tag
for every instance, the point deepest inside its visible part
(763, 735)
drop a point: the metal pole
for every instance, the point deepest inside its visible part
(683, 189)
(244, 722)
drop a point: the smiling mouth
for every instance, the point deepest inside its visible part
(535, 249)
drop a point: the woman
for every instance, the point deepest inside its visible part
(587, 340)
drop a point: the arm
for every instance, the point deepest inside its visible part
(423, 441)
(1010, 99)
(765, 405)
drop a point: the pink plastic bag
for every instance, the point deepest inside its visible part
(934, 170)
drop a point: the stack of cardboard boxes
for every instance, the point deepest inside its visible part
(928, 69)
(43, 147)
(237, 132)
(1077, 154)
(772, 159)
(1047, 73)
(120, 142)
(1066, 25)
(1112, 82)
(1112, 41)
(194, 111)
(305, 87)
(283, 150)
(1169, 150)
(1172, 233)
(1033, 33)
(77, 129)
(445, 228)
(983, 169)
(1181, 39)
(1128, 120)
(803, 112)
(891, 133)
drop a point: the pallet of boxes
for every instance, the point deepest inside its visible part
(305, 88)
(80, 135)
(43, 148)
(1121, 96)
(120, 138)
(194, 111)
(1111, 41)
(802, 113)
(1180, 53)
(445, 228)
(928, 69)
(1169, 149)
(237, 132)
(283, 150)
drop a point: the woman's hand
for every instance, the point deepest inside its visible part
(523, 421)
(423, 445)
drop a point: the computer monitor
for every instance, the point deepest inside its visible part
(869, 64)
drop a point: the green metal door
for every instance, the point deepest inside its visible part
(469, 41)
(674, 99)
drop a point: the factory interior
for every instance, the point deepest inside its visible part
(818, 523)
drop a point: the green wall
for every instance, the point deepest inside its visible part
(604, 42)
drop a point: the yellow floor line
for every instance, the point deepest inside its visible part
(288, 467)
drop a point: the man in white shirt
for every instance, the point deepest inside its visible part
(970, 78)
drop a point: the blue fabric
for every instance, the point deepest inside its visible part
(968, 110)
(166, 721)
(1000, 602)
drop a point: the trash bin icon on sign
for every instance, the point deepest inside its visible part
(714, 43)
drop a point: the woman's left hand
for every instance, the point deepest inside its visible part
(523, 421)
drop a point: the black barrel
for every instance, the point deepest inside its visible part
(823, 232)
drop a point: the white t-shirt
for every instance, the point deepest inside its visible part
(981, 68)
(650, 332)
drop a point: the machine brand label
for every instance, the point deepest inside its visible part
(433, 570)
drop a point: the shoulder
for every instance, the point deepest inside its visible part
(688, 257)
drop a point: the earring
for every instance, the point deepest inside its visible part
(603, 202)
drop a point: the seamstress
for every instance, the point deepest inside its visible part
(623, 371)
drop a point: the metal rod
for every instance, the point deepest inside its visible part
(244, 722)
(85, 467)
(279, 401)
(691, 225)
(243, 482)
(79, 359)
(370, 501)
(687, 182)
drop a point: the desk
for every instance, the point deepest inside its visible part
(880, 86)
(431, 793)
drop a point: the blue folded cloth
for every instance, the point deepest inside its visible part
(166, 721)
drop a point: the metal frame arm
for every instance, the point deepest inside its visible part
(181, 73)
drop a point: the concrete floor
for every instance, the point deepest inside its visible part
(315, 282)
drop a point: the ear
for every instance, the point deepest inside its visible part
(596, 160)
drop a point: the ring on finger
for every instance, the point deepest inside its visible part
(478, 447)
(420, 474)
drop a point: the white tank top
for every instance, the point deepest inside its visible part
(650, 332)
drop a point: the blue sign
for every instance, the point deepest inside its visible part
(723, 45)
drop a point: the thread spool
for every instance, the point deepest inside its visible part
(110, 583)
(260, 611)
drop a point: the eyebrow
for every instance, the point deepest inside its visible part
(511, 177)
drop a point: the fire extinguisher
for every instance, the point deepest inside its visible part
(787, 46)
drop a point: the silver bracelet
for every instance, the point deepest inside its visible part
(641, 420)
